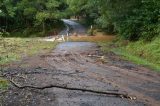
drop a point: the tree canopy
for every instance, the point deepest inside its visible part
(29, 13)
(130, 19)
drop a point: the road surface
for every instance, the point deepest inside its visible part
(75, 74)
(74, 27)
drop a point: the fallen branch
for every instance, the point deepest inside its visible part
(102, 57)
(121, 95)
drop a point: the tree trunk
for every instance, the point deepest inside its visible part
(44, 27)
(6, 22)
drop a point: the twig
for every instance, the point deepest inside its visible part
(102, 57)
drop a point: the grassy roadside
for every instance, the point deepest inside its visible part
(142, 53)
(12, 49)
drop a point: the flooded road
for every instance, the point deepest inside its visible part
(71, 27)
(75, 27)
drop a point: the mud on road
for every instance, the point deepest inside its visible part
(67, 75)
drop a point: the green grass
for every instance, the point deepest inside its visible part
(140, 52)
(3, 84)
(17, 48)
(136, 59)
(147, 50)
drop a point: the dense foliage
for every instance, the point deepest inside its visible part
(37, 15)
(135, 19)
(130, 19)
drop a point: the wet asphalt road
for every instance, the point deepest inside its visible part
(67, 65)
(75, 65)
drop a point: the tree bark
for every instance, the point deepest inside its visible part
(44, 27)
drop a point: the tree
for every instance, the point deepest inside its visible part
(131, 19)
(26, 14)
(7, 11)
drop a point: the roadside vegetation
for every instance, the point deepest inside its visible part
(3, 84)
(25, 18)
(140, 52)
(150, 51)
(16, 48)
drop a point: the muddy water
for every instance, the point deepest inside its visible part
(75, 27)
(77, 47)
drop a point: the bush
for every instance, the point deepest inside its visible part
(132, 19)
(141, 21)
